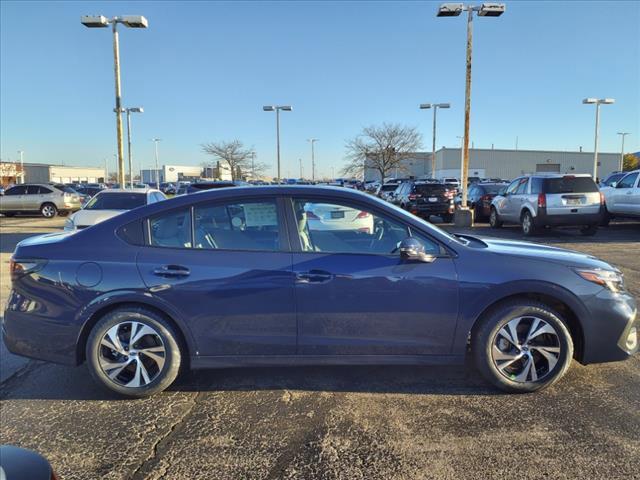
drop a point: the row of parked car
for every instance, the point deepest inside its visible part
(534, 201)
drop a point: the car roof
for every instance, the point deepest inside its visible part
(129, 190)
(556, 175)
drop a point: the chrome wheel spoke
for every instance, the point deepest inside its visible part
(113, 369)
(154, 353)
(112, 341)
(524, 374)
(545, 328)
(509, 331)
(551, 354)
(139, 330)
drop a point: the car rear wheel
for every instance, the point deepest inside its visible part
(494, 219)
(589, 230)
(528, 227)
(133, 352)
(48, 210)
(522, 346)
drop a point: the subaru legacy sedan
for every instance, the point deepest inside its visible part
(243, 276)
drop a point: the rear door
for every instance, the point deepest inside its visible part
(226, 267)
(571, 195)
(31, 199)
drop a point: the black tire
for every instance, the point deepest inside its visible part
(161, 379)
(494, 219)
(589, 230)
(485, 338)
(606, 218)
(48, 210)
(447, 217)
(526, 222)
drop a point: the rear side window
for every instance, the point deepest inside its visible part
(44, 190)
(237, 226)
(33, 189)
(171, 229)
(569, 184)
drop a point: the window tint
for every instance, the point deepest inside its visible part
(117, 201)
(536, 185)
(18, 190)
(569, 184)
(64, 188)
(238, 226)
(342, 228)
(430, 189)
(32, 189)
(522, 186)
(628, 181)
(172, 229)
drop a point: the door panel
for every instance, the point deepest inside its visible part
(375, 304)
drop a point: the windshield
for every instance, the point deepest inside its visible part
(570, 185)
(117, 201)
(613, 178)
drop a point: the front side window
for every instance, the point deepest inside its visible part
(628, 181)
(335, 227)
(514, 185)
(251, 225)
(522, 187)
(171, 229)
(19, 190)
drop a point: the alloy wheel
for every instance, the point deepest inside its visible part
(48, 211)
(131, 354)
(526, 224)
(526, 349)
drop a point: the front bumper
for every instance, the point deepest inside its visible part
(609, 335)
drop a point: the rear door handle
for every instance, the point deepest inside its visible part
(314, 276)
(172, 271)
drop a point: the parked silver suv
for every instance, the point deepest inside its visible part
(542, 200)
(48, 199)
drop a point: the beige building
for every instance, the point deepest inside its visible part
(44, 173)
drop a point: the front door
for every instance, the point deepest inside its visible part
(623, 194)
(229, 276)
(354, 294)
(12, 199)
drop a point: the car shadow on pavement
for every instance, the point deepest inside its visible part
(42, 381)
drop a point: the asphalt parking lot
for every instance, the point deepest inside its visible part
(333, 422)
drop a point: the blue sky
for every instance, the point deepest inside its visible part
(203, 70)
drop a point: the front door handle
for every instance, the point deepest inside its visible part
(314, 276)
(174, 271)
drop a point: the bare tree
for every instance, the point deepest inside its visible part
(382, 148)
(233, 155)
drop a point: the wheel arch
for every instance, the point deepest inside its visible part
(95, 316)
(567, 313)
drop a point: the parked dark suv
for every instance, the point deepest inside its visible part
(425, 199)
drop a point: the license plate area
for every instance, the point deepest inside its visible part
(337, 215)
(433, 199)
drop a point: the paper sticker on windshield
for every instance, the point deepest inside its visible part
(260, 214)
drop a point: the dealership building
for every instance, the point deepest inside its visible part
(45, 173)
(505, 164)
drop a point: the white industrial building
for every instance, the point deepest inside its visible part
(172, 173)
(506, 164)
(45, 173)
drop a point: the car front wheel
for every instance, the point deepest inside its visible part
(133, 352)
(522, 346)
(48, 210)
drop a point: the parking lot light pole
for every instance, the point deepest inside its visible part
(277, 108)
(129, 110)
(597, 102)
(155, 141)
(622, 134)
(130, 21)
(313, 158)
(21, 153)
(465, 217)
(435, 107)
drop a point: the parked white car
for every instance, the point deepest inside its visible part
(622, 197)
(109, 203)
(321, 216)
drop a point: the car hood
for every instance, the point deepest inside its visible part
(569, 258)
(91, 217)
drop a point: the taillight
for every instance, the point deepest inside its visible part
(486, 198)
(312, 215)
(363, 215)
(449, 194)
(601, 198)
(18, 268)
(542, 200)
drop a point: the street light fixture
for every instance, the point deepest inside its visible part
(313, 158)
(464, 217)
(622, 134)
(130, 21)
(435, 107)
(597, 102)
(277, 108)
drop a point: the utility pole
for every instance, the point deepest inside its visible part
(21, 153)
(597, 102)
(156, 140)
(313, 158)
(621, 166)
(301, 172)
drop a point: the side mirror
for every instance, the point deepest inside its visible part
(412, 249)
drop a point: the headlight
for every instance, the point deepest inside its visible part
(610, 279)
(68, 224)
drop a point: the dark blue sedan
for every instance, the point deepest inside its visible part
(294, 275)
